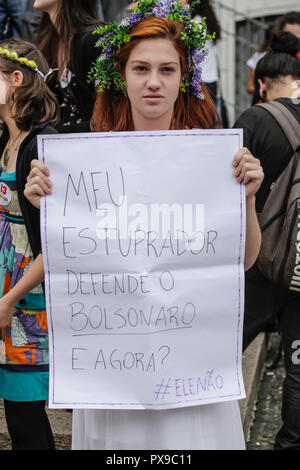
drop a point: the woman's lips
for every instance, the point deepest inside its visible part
(153, 98)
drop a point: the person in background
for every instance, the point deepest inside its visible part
(112, 8)
(100, 11)
(30, 22)
(125, 11)
(278, 75)
(210, 72)
(288, 23)
(27, 108)
(252, 85)
(66, 38)
(11, 12)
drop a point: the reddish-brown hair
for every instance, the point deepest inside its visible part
(112, 110)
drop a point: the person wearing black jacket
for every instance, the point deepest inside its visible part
(27, 109)
(66, 39)
(278, 74)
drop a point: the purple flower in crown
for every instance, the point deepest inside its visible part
(197, 57)
(135, 18)
(109, 51)
(196, 89)
(131, 20)
(186, 11)
(163, 8)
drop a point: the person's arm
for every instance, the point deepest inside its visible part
(248, 171)
(253, 234)
(250, 82)
(32, 278)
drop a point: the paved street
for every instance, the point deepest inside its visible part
(267, 420)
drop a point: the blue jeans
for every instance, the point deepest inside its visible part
(12, 10)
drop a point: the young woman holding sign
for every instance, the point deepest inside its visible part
(148, 84)
(27, 108)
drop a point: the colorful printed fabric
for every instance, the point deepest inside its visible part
(25, 340)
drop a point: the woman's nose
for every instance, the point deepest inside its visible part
(153, 80)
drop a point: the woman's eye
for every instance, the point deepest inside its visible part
(168, 69)
(140, 68)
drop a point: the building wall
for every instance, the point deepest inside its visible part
(229, 13)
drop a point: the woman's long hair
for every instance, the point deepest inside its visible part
(73, 16)
(113, 111)
(32, 102)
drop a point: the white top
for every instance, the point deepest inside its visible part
(254, 59)
(210, 65)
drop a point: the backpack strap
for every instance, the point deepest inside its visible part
(286, 120)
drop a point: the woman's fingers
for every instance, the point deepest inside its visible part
(38, 183)
(248, 171)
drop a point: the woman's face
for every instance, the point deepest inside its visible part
(292, 28)
(153, 77)
(4, 85)
(48, 6)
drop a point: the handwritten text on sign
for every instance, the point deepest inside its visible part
(143, 242)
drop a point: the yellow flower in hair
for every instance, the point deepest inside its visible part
(29, 63)
(12, 55)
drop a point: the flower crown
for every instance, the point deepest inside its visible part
(12, 55)
(113, 36)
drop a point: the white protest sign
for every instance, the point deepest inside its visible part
(143, 242)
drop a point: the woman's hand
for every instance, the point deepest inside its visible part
(6, 312)
(38, 183)
(248, 171)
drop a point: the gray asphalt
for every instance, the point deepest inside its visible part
(267, 411)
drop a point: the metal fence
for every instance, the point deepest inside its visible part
(248, 35)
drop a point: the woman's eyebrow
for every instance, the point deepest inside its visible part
(163, 63)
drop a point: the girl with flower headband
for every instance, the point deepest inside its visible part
(27, 108)
(148, 77)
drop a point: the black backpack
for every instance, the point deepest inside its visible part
(279, 256)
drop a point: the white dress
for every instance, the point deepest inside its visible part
(216, 426)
